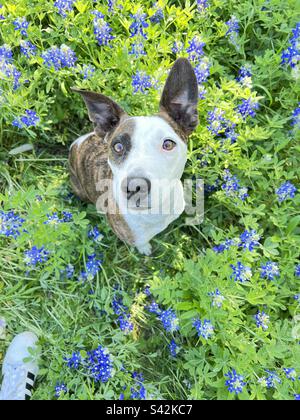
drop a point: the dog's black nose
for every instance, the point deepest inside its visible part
(138, 186)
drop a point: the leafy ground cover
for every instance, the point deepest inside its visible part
(214, 312)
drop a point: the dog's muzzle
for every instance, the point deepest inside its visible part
(137, 191)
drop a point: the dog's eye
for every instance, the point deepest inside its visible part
(169, 145)
(118, 147)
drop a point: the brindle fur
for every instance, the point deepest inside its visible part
(164, 115)
(88, 167)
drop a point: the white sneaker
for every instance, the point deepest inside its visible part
(18, 376)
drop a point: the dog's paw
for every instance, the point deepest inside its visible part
(145, 249)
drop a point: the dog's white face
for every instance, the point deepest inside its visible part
(145, 154)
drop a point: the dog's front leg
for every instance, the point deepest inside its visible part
(145, 249)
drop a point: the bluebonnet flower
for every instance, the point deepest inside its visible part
(67, 56)
(158, 15)
(111, 5)
(52, 58)
(224, 246)
(66, 217)
(21, 25)
(68, 272)
(204, 329)
(297, 270)
(94, 234)
(297, 397)
(10, 224)
(7, 68)
(248, 107)
(1, 16)
(245, 76)
(59, 58)
(232, 186)
(29, 119)
(195, 49)
(262, 320)
(117, 305)
(99, 364)
(141, 82)
(285, 191)
(270, 381)
(138, 391)
(123, 316)
(177, 47)
(102, 29)
(233, 30)
(11, 72)
(125, 324)
(211, 188)
(147, 291)
(290, 373)
(139, 24)
(169, 320)
(93, 266)
(296, 118)
(53, 219)
(241, 272)
(202, 70)
(249, 240)
(64, 6)
(153, 308)
(87, 71)
(173, 348)
(217, 298)
(270, 270)
(35, 256)
(202, 5)
(297, 297)
(6, 53)
(27, 48)
(137, 49)
(74, 361)
(291, 56)
(60, 389)
(231, 134)
(202, 92)
(15, 74)
(216, 120)
(235, 382)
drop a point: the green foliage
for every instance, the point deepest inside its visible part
(70, 315)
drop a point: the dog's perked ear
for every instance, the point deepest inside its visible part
(103, 111)
(180, 96)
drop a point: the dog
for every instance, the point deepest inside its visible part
(135, 154)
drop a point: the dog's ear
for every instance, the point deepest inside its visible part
(180, 96)
(103, 111)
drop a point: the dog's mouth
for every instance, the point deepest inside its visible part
(142, 200)
(140, 203)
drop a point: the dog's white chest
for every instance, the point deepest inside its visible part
(144, 226)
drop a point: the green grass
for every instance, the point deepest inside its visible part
(183, 269)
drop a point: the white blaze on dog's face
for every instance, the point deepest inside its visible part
(145, 155)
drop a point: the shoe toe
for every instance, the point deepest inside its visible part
(18, 349)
